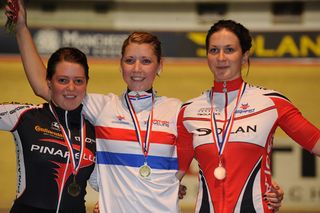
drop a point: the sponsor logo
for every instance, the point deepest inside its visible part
(204, 111)
(18, 108)
(95, 44)
(203, 131)
(120, 119)
(161, 123)
(3, 113)
(88, 140)
(47, 131)
(239, 129)
(244, 108)
(55, 126)
(59, 152)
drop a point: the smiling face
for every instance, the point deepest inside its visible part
(139, 66)
(225, 57)
(68, 85)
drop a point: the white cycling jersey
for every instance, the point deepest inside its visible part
(120, 155)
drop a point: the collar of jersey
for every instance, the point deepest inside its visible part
(72, 115)
(230, 85)
(141, 100)
(139, 95)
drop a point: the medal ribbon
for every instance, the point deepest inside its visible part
(68, 141)
(227, 130)
(146, 144)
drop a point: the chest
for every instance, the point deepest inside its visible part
(39, 136)
(249, 121)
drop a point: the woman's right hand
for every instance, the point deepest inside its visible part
(21, 21)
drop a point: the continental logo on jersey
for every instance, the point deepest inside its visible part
(120, 119)
(244, 108)
(47, 131)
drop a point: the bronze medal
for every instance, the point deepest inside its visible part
(220, 172)
(74, 188)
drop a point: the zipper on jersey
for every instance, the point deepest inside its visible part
(225, 91)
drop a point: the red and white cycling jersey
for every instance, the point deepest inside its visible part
(246, 155)
(119, 154)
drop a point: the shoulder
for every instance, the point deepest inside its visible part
(254, 90)
(17, 106)
(169, 101)
(197, 100)
(100, 96)
(95, 98)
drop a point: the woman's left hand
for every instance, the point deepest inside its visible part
(275, 196)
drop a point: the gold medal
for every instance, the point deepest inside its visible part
(145, 171)
(220, 172)
(74, 188)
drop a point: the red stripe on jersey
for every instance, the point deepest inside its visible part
(118, 134)
(255, 113)
(237, 118)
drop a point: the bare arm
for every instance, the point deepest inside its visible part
(33, 65)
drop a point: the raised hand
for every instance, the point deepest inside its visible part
(16, 15)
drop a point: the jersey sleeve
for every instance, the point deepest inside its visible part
(93, 105)
(295, 125)
(185, 150)
(94, 179)
(10, 115)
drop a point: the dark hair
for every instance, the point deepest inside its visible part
(238, 29)
(144, 38)
(69, 54)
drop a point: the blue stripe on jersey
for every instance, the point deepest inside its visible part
(134, 160)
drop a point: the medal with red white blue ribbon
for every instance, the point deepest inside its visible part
(220, 171)
(74, 188)
(144, 170)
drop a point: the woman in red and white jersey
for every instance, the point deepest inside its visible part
(229, 129)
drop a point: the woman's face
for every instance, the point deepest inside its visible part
(68, 85)
(225, 57)
(139, 66)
